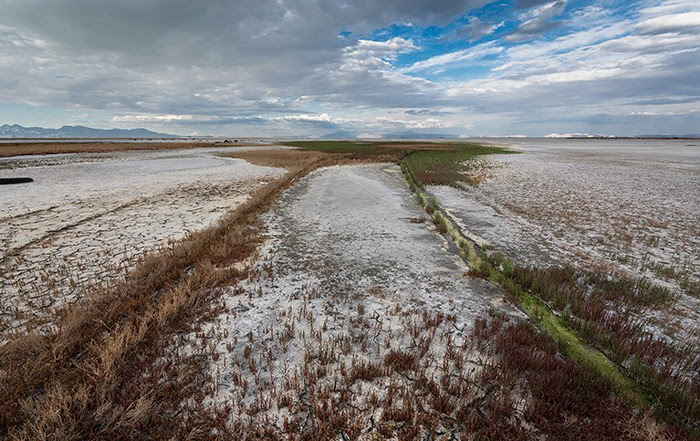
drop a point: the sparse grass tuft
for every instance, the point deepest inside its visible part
(401, 360)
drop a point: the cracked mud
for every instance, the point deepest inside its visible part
(351, 281)
(87, 217)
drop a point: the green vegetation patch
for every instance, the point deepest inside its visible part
(438, 163)
(449, 167)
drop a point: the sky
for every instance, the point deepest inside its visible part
(363, 68)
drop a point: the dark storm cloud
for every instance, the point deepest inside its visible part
(215, 28)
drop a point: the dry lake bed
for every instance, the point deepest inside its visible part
(326, 292)
(87, 215)
(629, 206)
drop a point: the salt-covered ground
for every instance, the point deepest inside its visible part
(629, 206)
(86, 216)
(353, 282)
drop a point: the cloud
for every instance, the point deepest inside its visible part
(283, 67)
(373, 55)
(322, 120)
(667, 100)
(523, 4)
(472, 54)
(670, 7)
(364, 76)
(538, 20)
(189, 119)
(653, 113)
(324, 117)
(212, 57)
(607, 74)
(685, 22)
(216, 28)
(426, 112)
(430, 123)
(475, 29)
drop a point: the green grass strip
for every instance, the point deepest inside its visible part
(449, 167)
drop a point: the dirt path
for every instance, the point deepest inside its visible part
(352, 282)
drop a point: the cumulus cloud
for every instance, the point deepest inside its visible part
(374, 55)
(365, 76)
(596, 77)
(213, 56)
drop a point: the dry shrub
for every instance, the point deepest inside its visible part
(364, 370)
(560, 398)
(401, 360)
(293, 158)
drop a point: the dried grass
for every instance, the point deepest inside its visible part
(48, 148)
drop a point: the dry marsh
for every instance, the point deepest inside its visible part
(329, 305)
(602, 310)
(86, 370)
(52, 148)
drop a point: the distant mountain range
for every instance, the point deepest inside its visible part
(17, 131)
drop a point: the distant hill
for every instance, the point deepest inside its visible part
(341, 134)
(17, 131)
